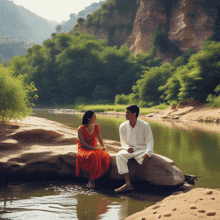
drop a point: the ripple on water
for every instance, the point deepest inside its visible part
(65, 201)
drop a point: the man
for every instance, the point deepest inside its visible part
(137, 142)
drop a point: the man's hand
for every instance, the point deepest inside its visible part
(130, 150)
(145, 157)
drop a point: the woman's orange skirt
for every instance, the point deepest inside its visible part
(96, 162)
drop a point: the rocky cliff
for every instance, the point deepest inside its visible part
(187, 22)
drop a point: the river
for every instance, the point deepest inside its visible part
(195, 148)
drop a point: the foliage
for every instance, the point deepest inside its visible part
(183, 59)
(171, 89)
(78, 69)
(214, 100)
(80, 21)
(198, 78)
(126, 5)
(161, 106)
(149, 59)
(13, 96)
(107, 107)
(161, 41)
(10, 48)
(58, 28)
(101, 16)
(147, 86)
(70, 66)
(122, 99)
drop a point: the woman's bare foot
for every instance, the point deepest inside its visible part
(91, 184)
(124, 188)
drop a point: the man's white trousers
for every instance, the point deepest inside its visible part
(123, 156)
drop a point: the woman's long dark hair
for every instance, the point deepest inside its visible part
(86, 116)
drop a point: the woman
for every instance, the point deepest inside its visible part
(90, 158)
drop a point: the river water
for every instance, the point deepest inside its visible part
(195, 148)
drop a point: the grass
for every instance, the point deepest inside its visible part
(114, 108)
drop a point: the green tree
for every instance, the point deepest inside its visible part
(171, 89)
(13, 96)
(198, 78)
(214, 100)
(184, 59)
(161, 41)
(147, 86)
(80, 21)
(148, 60)
(202, 74)
(122, 99)
(58, 28)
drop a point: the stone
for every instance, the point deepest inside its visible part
(210, 213)
(193, 206)
(177, 193)
(209, 192)
(159, 216)
(202, 211)
(167, 214)
(155, 206)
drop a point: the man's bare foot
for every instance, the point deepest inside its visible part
(124, 188)
(91, 184)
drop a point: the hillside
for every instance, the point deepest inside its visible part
(10, 48)
(68, 25)
(133, 23)
(21, 24)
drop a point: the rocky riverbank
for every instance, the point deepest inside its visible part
(189, 111)
(37, 148)
(194, 204)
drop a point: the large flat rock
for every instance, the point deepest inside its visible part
(36, 148)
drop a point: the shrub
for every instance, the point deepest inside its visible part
(13, 96)
(80, 21)
(121, 99)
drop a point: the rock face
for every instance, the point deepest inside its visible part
(187, 22)
(37, 148)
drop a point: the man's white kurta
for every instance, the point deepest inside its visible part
(140, 138)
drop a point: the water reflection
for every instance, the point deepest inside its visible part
(60, 200)
(93, 207)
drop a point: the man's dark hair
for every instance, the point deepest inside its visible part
(87, 115)
(133, 108)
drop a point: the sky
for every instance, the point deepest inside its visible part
(55, 10)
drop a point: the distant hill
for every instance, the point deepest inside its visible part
(10, 48)
(68, 25)
(21, 24)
